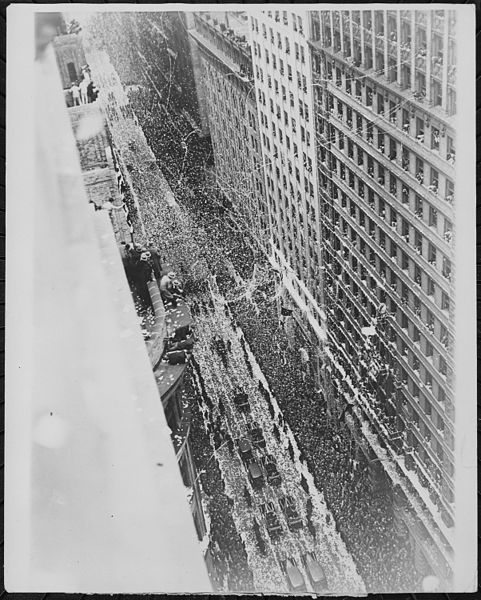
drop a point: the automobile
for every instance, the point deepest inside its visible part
(294, 577)
(315, 572)
(293, 518)
(245, 449)
(274, 528)
(257, 436)
(241, 401)
(255, 474)
(273, 476)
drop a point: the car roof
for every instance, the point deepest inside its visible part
(315, 568)
(294, 575)
(254, 469)
(244, 444)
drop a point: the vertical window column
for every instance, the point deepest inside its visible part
(373, 39)
(386, 60)
(429, 32)
(444, 81)
(413, 51)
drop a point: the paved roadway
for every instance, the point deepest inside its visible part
(220, 382)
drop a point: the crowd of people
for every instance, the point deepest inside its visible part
(226, 548)
(363, 515)
(142, 265)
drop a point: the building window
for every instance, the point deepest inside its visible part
(430, 287)
(435, 139)
(449, 195)
(430, 321)
(393, 185)
(381, 179)
(432, 254)
(393, 218)
(450, 150)
(433, 217)
(443, 366)
(380, 141)
(72, 73)
(446, 268)
(360, 156)
(418, 241)
(418, 206)
(393, 250)
(368, 96)
(380, 104)
(419, 170)
(417, 275)
(434, 185)
(436, 93)
(420, 129)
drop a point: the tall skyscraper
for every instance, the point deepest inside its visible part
(284, 103)
(384, 100)
(356, 110)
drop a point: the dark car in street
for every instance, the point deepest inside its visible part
(272, 474)
(241, 401)
(257, 436)
(274, 528)
(256, 477)
(289, 509)
(245, 449)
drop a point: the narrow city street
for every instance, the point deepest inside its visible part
(285, 535)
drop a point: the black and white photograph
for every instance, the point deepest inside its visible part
(240, 307)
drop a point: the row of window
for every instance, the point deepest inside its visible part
(433, 423)
(388, 244)
(373, 56)
(295, 21)
(361, 246)
(364, 18)
(425, 130)
(430, 426)
(398, 153)
(390, 33)
(279, 131)
(301, 79)
(408, 234)
(351, 317)
(421, 209)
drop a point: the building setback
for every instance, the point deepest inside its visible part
(230, 103)
(384, 99)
